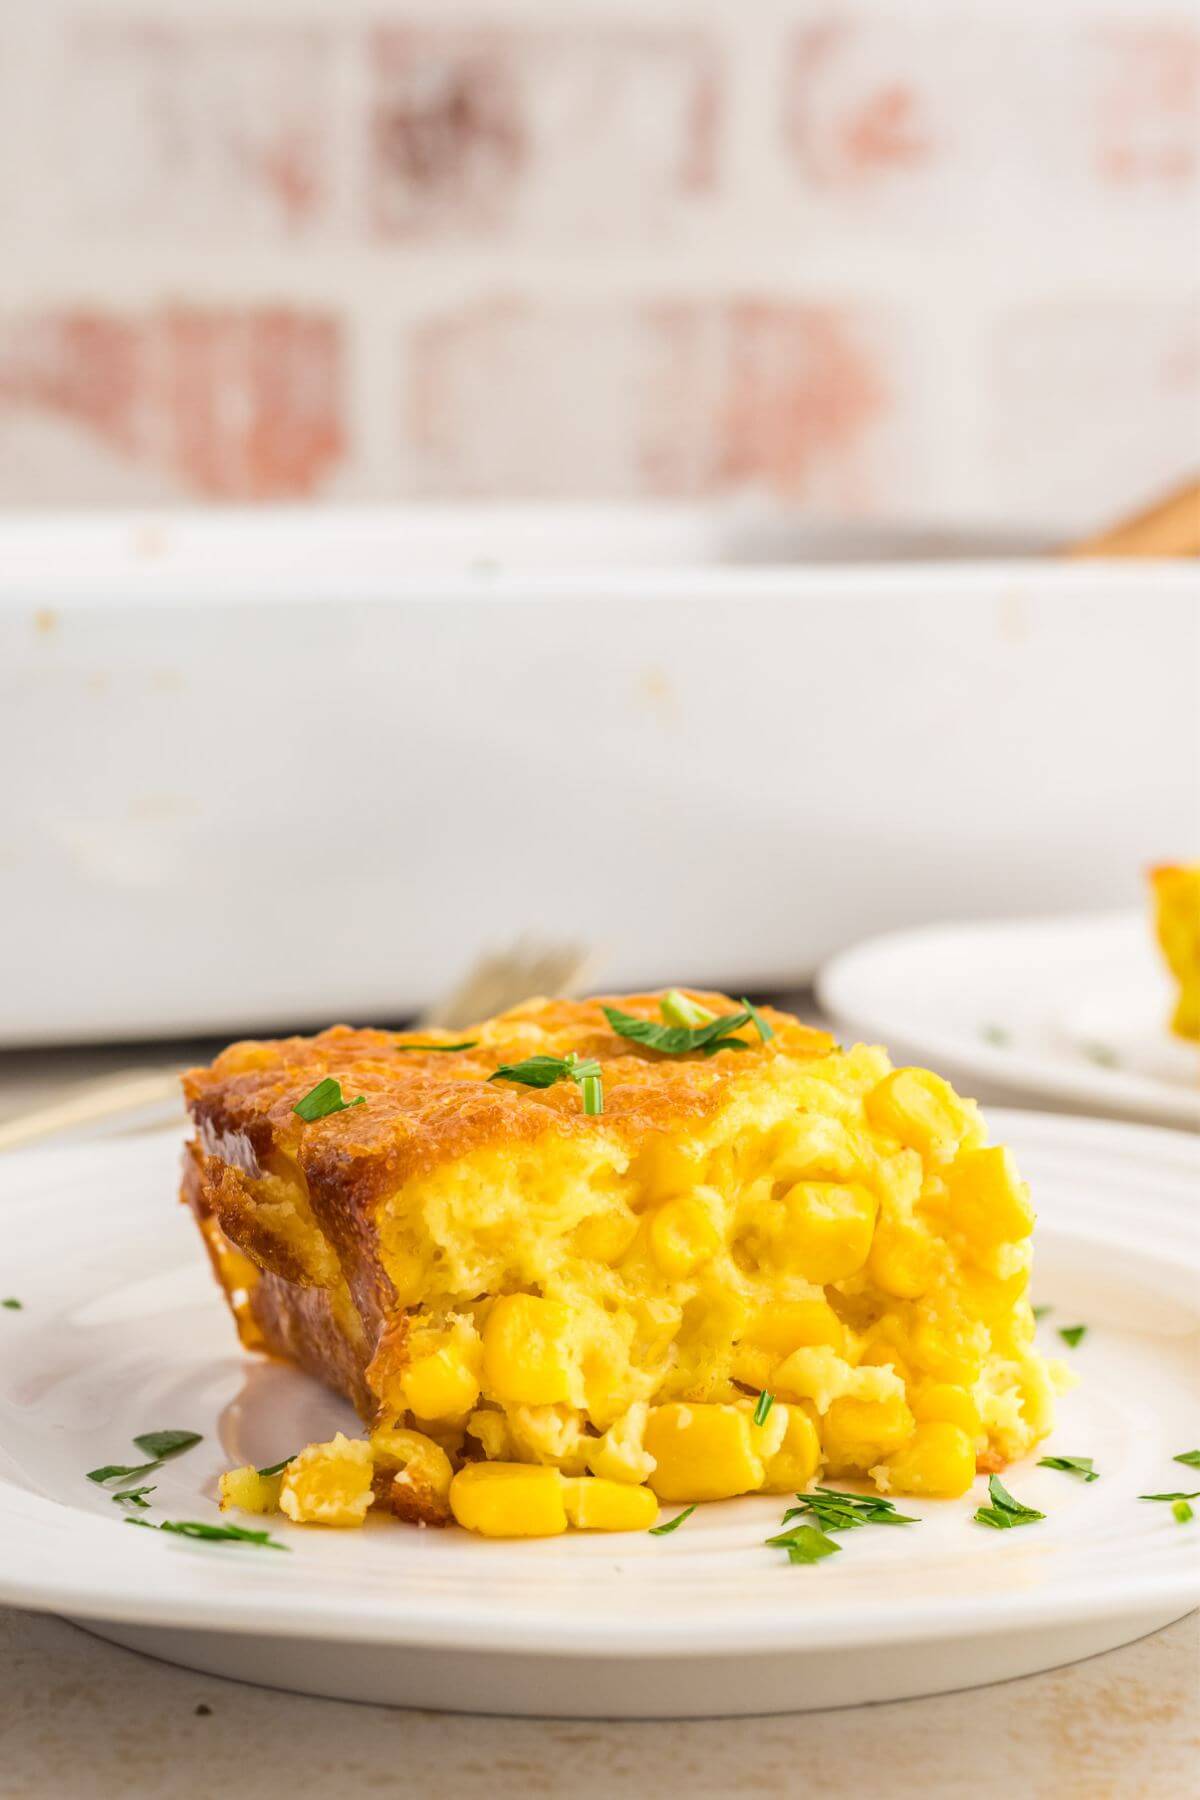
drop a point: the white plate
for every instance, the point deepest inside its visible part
(1068, 1009)
(122, 1332)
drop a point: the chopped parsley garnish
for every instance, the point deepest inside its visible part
(995, 1035)
(1182, 1512)
(672, 1524)
(1190, 1457)
(681, 1040)
(1072, 1465)
(467, 1044)
(133, 1497)
(166, 1443)
(762, 1409)
(1039, 1312)
(1101, 1054)
(11, 1305)
(766, 1032)
(804, 1544)
(274, 1468)
(196, 1528)
(324, 1099)
(1175, 1496)
(158, 1445)
(1005, 1511)
(1072, 1334)
(544, 1071)
(835, 1510)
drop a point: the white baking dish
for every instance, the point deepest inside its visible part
(275, 769)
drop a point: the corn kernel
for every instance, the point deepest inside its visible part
(445, 1384)
(329, 1484)
(814, 1373)
(798, 1457)
(419, 1474)
(901, 1260)
(988, 1201)
(619, 1454)
(525, 1358)
(682, 1235)
(249, 1491)
(701, 1452)
(857, 1433)
(944, 1402)
(938, 1461)
(948, 1350)
(605, 1237)
(921, 1110)
(595, 1505)
(786, 1325)
(505, 1500)
(827, 1228)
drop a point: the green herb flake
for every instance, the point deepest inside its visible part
(1190, 1457)
(1174, 1496)
(274, 1468)
(544, 1071)
(1103, 1055)
(1041, 1312)
(680, 1040)
(1182, 1512)
(11, 1305)
(677, 1009)
(122, 1471)
(323, 1100)
(762, 1409)
(672, 1524)
(1072, 1465)
(766, 1032)
(449, 1049)
(196, 1528)
(1005, 1511)
(804, 1544)
(835, 1510)
(133, 1497)
(166, 1443)
(1072, 1334)
(995, 1035)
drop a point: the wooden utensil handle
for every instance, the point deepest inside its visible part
(1171, 527)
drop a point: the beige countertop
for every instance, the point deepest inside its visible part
(81, 1717)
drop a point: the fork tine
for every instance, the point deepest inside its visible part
(499, 979)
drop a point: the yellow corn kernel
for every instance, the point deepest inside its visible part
(814, 1373)
(988, 1201)
(857, 1433)
(525, 1356)
(826, 1233)
(901, 1260)
(938, 1461)
(920, 1109)
(701, 1452)
(787, 1325)
(506, 1500)
(249, 1491)
(992, 1299)
(605, 1237)
(619, 1454)
(943, 1402)
(595, 1505)
(444, 1384)
(947, 1350)
(329, 1484)
(419, 1471)
(798, 1457)
(682, 1235)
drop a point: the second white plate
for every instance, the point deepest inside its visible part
(1071, 1009)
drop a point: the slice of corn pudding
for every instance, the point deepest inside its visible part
(1176, 892)
(549, 1318)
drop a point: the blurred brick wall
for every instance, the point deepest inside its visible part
(934, 259)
